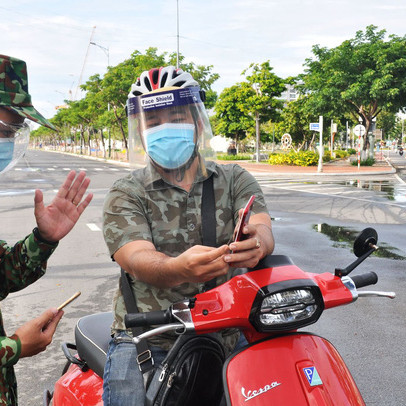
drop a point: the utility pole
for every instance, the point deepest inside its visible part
(257, 130)
(177, 34)
(320, 165)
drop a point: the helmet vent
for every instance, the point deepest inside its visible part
(163, 79)
(147, 84)
(181, 83)
(155, 77)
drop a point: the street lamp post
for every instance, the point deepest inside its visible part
(107, 52)
(257, 132)
(371, 137)
(359, 141)
(320, 164)
(177, 34)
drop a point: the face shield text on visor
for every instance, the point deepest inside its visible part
(14, 139)
(169, 125)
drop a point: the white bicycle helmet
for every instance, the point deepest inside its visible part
(167, 119)
(159, 78)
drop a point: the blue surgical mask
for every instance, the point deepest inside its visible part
(6, 152)
(170, 145)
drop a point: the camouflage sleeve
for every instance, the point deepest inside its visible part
(243, 187)
(23, 263)
(10, 350)
(124, 220)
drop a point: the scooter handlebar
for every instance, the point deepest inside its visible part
(365, 279)
(147, 319)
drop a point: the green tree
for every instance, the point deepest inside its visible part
(386, 122)
(296, 119)
(104, 104)
(362, 76)
(256, 98)
(232, 118)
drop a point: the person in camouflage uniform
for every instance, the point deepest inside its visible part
(153, 221)
(26, 261)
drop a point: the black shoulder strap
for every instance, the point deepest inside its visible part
(145, 361)
(209, 221)
(208, 213)
(144, 358)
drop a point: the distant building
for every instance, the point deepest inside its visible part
(290, 94)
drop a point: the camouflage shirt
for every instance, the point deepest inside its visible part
(20, 266)
(142, 206)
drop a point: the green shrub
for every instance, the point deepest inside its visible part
(301, 158)
(238, 157)
(326, 156)
(366, 162)
(351, 151)
(341, 154)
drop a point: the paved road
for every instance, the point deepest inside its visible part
(81, 261)
(313, 222)
(399, 162)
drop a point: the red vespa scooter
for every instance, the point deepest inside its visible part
(280, 366)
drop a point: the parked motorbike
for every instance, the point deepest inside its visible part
(401, 151)
(279, 366)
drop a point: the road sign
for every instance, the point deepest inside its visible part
(314, 126)
(359, 130)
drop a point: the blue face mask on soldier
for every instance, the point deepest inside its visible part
(170, 145)
(6, 152)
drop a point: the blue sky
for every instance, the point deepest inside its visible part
(53, 36)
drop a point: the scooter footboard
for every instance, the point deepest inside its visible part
(297, 369)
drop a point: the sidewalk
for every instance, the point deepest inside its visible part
(341, 167)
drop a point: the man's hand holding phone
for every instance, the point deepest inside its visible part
(246, 248)
(243, 221)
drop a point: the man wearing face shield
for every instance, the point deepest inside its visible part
(25, 262)
(153, 218)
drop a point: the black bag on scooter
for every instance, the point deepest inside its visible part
(190, 375)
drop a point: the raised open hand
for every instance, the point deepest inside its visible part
(57, 220)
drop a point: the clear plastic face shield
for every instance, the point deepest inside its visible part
(14, 139)
(169, 127)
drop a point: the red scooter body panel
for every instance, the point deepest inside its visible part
(298, 369)
(216, 309)
(78, 388)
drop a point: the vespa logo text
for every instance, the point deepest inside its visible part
(251, 394)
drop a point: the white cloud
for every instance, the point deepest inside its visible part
(53, 37)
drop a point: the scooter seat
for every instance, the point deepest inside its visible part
(92, 336)
(271, 261)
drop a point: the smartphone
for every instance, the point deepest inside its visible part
(244, 219)
(66, 302)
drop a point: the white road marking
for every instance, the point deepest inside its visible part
(336, 195)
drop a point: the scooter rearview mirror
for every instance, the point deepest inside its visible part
(366, 240)
(364, 246)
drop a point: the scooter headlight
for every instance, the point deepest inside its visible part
(285, 307)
